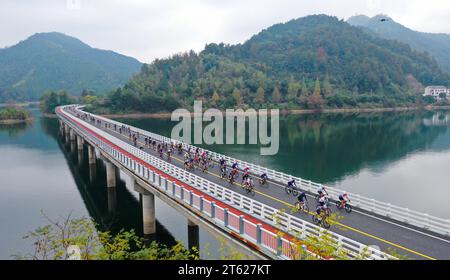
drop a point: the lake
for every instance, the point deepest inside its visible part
(401, 158)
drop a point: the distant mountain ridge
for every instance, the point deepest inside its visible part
(309, 62)
(436, 44)
(55, 61)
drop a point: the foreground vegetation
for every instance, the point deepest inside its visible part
(72, 238)
(79, 238)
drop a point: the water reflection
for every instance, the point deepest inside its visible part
(327, 148)
(112, 209)
(396, 157)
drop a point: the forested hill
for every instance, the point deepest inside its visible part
(437, 45)
(54, 61)
(310, 62)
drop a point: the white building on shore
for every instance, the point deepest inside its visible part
(436, 91)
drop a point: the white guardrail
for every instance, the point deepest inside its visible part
(269, 241)
(402, 214)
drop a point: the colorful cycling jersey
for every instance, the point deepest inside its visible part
(222, 161)
(321, 189)
(292, 183)
(322, 200)
(235, 165)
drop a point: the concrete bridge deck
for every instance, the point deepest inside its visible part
(359, 225)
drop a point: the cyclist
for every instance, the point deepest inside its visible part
(321, 210)
(246, 174)
(232, 174)
(263, 178)
(343, 198)
(322, 191)
(169, 153)
(223, 171)
(248, 184)
(222, 162)
(323, 200)
(292, 183)
(186, 163)
(302, 197)
(235, 166)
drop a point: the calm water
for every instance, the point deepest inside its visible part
(402, 158)
(38, 172)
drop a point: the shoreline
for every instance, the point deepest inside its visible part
(12, 121)
(283, 112)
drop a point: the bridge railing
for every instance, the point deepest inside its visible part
(402, 214)
(270, 241)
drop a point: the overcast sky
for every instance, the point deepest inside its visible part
(148, 29)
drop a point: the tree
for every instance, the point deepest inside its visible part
(315, 100)
(79, 238)
(50, 100)
(215, 99)
(327, 89)
(237, 97)
(260, 98)
(293, 89)
(276, 96)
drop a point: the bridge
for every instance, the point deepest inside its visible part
(257, 222)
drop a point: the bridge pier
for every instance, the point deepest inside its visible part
(148, 213)
(91, 155)
(110, 174)
(72, 147)
(66, 132)
(193, 236)
(72, 135)
(79, 143)
(148, 208)
(61, 128)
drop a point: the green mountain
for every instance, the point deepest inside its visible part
(309, 62)
(437, 45)
(54, 61)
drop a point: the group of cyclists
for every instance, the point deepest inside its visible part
(322, 209)
(202, 159)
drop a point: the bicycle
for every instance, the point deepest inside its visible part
(204, 166)
(262, 181)
(327, 209)
(290, 189)
(347, 207)
(223, 174)
(303, 206)
(231, 179)
(249, 189)
(321, 220)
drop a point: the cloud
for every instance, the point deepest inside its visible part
(150, 29)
